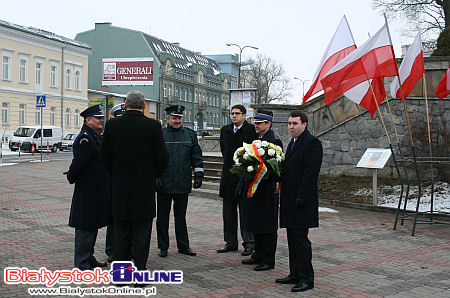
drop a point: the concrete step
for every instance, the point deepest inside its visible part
(215, 157)
(213, 172)
(212, 165)
(211, 179)
(206, 193)
(211, 185)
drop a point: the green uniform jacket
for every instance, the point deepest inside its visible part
(185, 155)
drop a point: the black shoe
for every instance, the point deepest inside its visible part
(263, 267)
(187, 252)
(303, 286)
(247, 251)
(227, 248)
(110, 259)
(162, 253)
(250, 261)
(286, 280)
(94, 263)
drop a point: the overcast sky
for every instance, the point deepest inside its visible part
(294, 33)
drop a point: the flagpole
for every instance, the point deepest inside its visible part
(429, 147)
(410, 133)
(398, 171)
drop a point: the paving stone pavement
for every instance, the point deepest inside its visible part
(355, 253)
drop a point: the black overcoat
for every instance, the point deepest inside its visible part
(134, 152)
(229, 142)
(299, 180)
(91, 201)
(262, 209)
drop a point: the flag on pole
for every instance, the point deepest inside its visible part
(340, 46)
(362, 94)
(443, 88)
(374, 59)
(411, 69)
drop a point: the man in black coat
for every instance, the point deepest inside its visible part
(262, 209)
(134, 152)
(299, 202)
(231, 137)
(91, 201)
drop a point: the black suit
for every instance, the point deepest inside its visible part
(229, 142)
(134, 152)
(299, 181)
(262, 213)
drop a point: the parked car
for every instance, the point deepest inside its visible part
(67, 142)
(30, 136)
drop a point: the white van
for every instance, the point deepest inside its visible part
(28, 135)
(67, 142)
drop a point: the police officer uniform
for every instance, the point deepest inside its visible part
(91, 201)
(185, 156)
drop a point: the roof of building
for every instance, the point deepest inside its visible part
(44, 34)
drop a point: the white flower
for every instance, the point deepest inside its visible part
(246, 156)
(264, 143)
(236, 160)
(271, 152)
(257, 143)
(249, 169)
(238, 163)
(261, 151)
(279, 159)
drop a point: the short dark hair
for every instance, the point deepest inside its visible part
(240, 107)
(302, 115)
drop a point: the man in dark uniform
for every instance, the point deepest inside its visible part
(231, 137)
(134, 153)
(262, 209)
(116, 111)
(185, 156)
(91, 201)
(299, 202)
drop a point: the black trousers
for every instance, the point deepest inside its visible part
(134, 233)
(84, 248)
(300, 255)
(230, 224)
(109, 244)
(265, 247)
(164, 204)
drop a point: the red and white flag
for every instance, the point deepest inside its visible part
(340, 46)
(410, 71)
(443, 88)
(374, 59)
(362, 94)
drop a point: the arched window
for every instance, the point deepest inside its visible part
(68, 79)
(75, 118)
(78, 80)
(67, 117)
(200, 77)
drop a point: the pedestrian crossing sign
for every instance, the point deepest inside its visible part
(40, 101)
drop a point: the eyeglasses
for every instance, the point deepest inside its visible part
(236, 113)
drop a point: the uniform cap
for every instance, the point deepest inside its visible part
(118, 110)
(175, 110)
(94, 111)
(263, 115)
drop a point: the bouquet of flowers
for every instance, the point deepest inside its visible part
(253, 159)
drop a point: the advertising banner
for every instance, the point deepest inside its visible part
(127, 71)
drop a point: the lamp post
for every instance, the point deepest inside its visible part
(240, 55)
(303, 84)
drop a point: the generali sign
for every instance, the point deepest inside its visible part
(127, 71)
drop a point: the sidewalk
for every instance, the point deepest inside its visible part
(355, 252)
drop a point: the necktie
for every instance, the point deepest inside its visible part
(235, 129)
(292, 144)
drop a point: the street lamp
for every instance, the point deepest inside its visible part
(240, 55)
(303, 84)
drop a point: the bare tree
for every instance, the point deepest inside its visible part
(430, 16)
(268, 77)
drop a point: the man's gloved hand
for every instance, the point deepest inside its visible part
(299, 203)
(238, 192)
(158, 185)
(197, 182)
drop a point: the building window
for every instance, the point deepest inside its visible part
(68, 79)
(67, 117)
(165, 90)
(4, 113)
(75, 118)
(21, 114)
(6, 65)
(170, 90)
(52, 116)
(38, 74)
(37, 116)
(54, 75)
(23, 69)
(78, 80)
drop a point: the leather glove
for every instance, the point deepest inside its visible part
(238, 192)
(299, 203)
(158, 185)
(197, 182)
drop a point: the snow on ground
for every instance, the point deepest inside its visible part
(388, 197)
(324, 209)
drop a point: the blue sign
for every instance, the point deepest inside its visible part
(40, 101)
